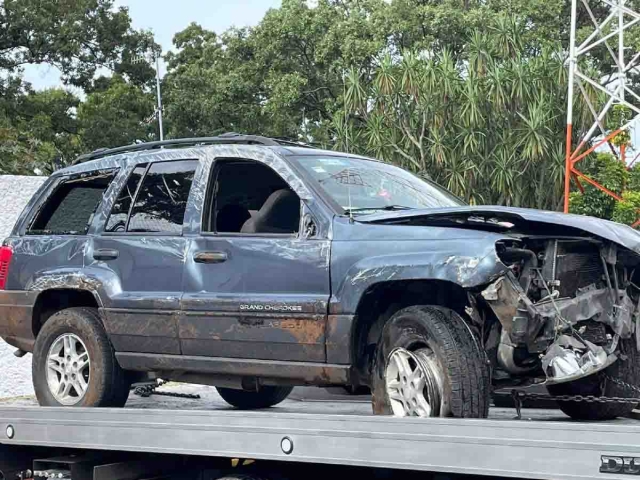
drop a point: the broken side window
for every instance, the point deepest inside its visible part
(162, 198)
(69, 210)
(117, 221)
(249, 197)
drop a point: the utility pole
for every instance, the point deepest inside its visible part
(155, 58)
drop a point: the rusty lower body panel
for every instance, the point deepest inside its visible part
(147, 331)
(267, 371)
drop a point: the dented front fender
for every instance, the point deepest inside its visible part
(464, 257)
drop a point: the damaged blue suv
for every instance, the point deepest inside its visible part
(256, 265)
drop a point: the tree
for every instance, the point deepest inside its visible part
(39, 131)
(119, 114)
(487, 122)
(611, 173)
(281, 78)
(76, 36)
(209, 86)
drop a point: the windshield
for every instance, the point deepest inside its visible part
(365, 186)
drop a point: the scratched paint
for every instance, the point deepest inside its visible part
(197, 309)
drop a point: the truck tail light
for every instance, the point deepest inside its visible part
(5, 259)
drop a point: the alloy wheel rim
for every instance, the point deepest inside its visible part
(68, 369)
(414, 383)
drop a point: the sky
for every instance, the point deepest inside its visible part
(165, 18)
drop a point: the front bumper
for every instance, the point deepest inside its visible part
(16, 318)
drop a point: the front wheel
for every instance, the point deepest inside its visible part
(266, 397)
(622, 379)
(74, 363)
(428, 364)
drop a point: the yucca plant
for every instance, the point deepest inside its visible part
(488, 123)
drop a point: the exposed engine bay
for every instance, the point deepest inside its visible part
(561, 308)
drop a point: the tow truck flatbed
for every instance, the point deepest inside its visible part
(544, 445)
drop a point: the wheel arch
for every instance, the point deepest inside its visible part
(53, 300)
(65, 288)
(381, 300)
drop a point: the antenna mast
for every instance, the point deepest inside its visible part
(154, 57)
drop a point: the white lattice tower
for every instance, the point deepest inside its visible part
(607, 31)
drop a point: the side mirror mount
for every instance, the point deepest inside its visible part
(309, 227)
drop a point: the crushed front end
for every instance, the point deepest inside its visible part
(561, 310)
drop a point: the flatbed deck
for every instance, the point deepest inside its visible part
(342, 431)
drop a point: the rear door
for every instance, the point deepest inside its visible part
(143, 250)
(256, 286)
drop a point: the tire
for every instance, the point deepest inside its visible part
(264, 398)
(106, 383)
(626, 368)
(464, 373)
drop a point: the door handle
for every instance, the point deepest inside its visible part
(210, 257)
(105, 254)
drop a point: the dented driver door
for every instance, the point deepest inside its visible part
(255, 295)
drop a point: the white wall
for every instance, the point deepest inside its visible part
(15, 192)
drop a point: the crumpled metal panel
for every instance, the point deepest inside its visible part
(504, 296)
(39, 256)
(615, 232)
(596, 304)
(363, 255)
(569, 359)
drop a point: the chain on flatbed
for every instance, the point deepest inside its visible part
(147, 390)
(519, 396)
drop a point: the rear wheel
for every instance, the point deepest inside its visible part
(74, 363)
(428, 364)
(625, 369)
(266, 397)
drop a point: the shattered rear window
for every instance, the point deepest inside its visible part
(69, 210)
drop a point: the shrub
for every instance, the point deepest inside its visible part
(627, 211)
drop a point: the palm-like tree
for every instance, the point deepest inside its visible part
(489, 123)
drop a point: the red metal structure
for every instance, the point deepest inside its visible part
(615, 93)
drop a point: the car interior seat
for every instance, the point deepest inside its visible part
(280, 213)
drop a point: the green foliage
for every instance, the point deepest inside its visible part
(633, 182)
(115, 116)
(619, 117)
(609, 172)
(36, 128)
(486, 121)
(627, 211)
(76, 36)
(42, 131)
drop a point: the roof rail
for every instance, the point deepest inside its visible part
(225, 138)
